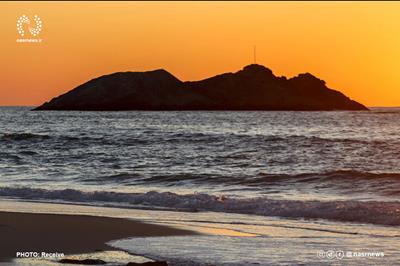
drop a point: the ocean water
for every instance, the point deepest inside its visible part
(334, 171)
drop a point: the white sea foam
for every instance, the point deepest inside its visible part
(384, 213)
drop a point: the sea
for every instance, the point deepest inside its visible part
(264, 187)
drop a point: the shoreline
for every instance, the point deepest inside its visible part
(70, 234)
(213, 238)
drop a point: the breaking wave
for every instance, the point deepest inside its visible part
(374, 212)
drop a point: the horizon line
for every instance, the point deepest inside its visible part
(397, 106)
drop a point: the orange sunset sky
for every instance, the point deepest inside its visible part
(353, 46)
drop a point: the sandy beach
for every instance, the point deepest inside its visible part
(69, 234)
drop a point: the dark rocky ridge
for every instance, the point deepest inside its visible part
(254, 87)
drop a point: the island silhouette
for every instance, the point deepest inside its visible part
(255, 87)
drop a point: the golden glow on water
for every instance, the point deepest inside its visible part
(354, 46)
(210, 230)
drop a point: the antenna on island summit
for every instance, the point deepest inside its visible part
(255, 55)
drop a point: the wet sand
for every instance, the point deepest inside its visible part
(69, 234)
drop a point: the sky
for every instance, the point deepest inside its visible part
(353, 46)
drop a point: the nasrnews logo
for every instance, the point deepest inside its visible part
(340, 254)
(34, 27)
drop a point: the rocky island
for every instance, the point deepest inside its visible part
(254, 87)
